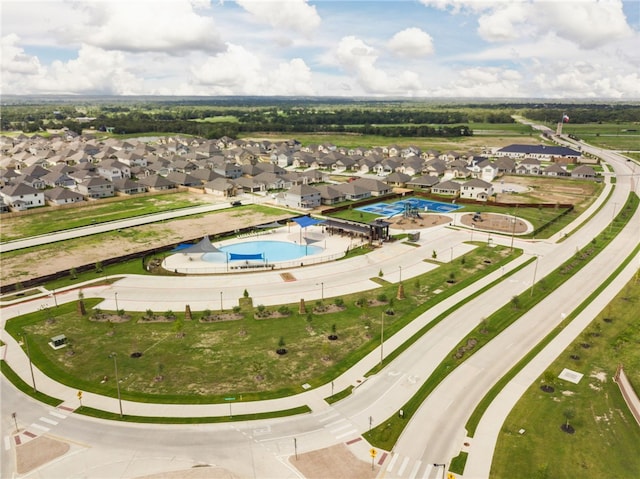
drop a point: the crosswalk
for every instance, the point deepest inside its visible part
(42, 426)
(400, 466)
(340, 427)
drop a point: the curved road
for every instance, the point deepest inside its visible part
(260, 449)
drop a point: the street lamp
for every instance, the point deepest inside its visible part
(115, 367)
(26, 345)
(400, 274)
(535, 269)
(382, 339)
(116, 297)
(321, 291)
(55, 300)
(221, 308)
(513, 230)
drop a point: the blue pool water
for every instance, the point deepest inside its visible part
(269, 251)
(423, 206)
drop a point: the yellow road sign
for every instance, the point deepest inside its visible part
(373, 452)
(79, 394)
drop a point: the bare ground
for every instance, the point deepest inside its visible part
(63, 256)
(335, 462)
(38, 452)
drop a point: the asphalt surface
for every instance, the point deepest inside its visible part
(435, 434)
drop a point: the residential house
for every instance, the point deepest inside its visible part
(446, 188)
(222, 187)
(95, 187)
(157, 182)
(397, 179)
(302, 196)
(62, 196)
(476, 189)
(528, 166)
(375, 187)
(554, 169)
(539, 152)
(584, 172)
(184, 179)
(352, 191)
(330, 195)
(128, 186)
(20, 196)
(424, 182)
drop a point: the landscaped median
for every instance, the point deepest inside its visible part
(387, 433)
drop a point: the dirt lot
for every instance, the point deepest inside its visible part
(547, 190)
(58, 257)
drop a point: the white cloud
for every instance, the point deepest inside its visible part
(295, 15)
(145, 26)
(412, 42)
(13, 59)
(483, 82)
(240, 72)
(588, 23)
(358, 58)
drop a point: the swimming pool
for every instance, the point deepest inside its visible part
(264, 251)
(422, 205)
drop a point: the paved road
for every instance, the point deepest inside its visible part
(267, 443)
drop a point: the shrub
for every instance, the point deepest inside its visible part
(339, 302)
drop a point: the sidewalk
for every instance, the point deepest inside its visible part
(399, 253)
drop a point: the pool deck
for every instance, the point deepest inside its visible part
(333, 247)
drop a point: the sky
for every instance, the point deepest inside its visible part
(556, 49)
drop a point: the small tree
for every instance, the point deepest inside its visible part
(150, 314)
(73, 273)
(82, 310)
(568, 414)
(98, 266)
(515, 302)
(434, 254)
(245, 294)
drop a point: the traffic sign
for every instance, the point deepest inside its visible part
(373, 452)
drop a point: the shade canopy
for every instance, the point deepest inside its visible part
(304, 221)
(203, 246)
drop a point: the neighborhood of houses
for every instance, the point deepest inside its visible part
(67, 168)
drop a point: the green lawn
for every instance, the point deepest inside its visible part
(206, 361)
(614, 136)
(50, 219)
(606, 438)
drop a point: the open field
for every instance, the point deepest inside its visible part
(601, 419)
(50, 219)
(613, 136)
(352, 140)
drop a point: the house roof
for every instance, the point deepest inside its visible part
(540, 150)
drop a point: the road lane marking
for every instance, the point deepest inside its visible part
(38, 426)
(427, 471)
(334, 423)
(414, 471)
(341, 428)
(49, 421)
(58, 415)
(7, 443)
(403, 466)
(392, 463)
(348, 433)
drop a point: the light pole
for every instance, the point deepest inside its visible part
(400, 267)
(26, 345)
(15, 420)
(55, 300)
(382, 339)
(321, 291)
(513, 230)
(115, 367)
(221, 308)
(116, 296)
(535, 270)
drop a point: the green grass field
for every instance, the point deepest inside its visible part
(614, 136)
(48, 220)
(606, 438)
(205, 361)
